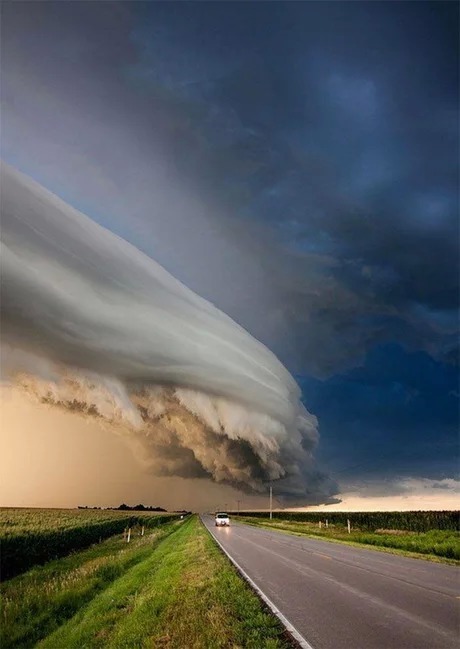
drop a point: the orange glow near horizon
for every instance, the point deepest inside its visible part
(52, 458)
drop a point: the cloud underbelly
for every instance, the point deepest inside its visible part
(93, 325)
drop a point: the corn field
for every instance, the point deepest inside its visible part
(372, 521)
(30, 537)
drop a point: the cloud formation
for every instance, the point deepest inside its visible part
(93, 325)
(297, 167)
(317, 166)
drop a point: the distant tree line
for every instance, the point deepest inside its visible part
(126, 508)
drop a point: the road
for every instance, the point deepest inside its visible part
(342, 597)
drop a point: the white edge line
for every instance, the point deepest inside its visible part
(284, 621)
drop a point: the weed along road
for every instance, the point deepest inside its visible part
(342, 597)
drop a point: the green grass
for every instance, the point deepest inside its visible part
(435, 545)
(36, 603)
(185, 593)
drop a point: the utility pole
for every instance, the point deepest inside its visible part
(271, 502)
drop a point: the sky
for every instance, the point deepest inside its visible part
(296, 165)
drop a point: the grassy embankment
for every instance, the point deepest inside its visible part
(166, 589)
(434, 545)
(36, 603)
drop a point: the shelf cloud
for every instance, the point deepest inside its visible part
(92, 325)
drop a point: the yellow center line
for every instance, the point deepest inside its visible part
(323, 555)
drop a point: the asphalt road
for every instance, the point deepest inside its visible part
(341, 597)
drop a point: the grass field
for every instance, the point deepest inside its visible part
(170, 588)
(438, 545)
(33, 536)
(39, 601)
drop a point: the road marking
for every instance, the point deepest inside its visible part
(340, 584)
(282, 618)
(323, 555)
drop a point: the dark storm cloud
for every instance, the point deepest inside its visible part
(396, 416)
(329, 128)
(294, 163)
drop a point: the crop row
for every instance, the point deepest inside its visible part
(411, 521)
(21, 520)
(24, 549)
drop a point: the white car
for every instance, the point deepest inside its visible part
(222, 519)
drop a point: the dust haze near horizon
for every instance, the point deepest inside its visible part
(53, 458)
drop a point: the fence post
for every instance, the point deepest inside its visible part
(142, 533)
(319, 525)
(327, 523)
(349, 526)
(129, 535)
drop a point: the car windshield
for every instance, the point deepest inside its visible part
(222, 516)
